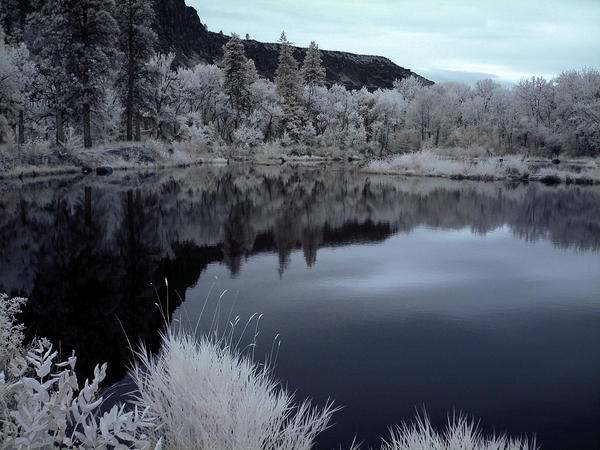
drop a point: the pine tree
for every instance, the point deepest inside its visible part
(287, 77)
(91, 53)
(136, 41)
(287, 80)
(49, 38)
(237, 80)
(251, 73)
(313, 73)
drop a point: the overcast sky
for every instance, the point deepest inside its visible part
(442, 40)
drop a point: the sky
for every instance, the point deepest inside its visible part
(461, 41)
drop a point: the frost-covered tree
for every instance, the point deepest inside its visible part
(202, 91)
(389, 110)
(535, 98)
(338, 117)
(164, 94)
(136, 41)
(16, 75)
(236, 77)
(90, 54)
(409, 87)
(287, 80)
(577, 113)
(267, 114)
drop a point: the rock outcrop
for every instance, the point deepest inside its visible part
(181, 31)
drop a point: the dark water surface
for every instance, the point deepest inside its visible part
(388, 295)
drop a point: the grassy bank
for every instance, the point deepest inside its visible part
(37, 160)
(430, 164)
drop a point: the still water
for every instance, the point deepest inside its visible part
(387, 295)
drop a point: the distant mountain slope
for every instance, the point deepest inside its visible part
(181, 31)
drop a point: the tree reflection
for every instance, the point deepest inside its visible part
(92, 255)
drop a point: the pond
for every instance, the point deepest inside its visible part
(387, 295)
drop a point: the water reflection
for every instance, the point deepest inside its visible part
(92, 254)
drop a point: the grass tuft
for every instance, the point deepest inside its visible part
(206, 394)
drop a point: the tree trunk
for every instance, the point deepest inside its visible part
(130, 76)
(21, 127)
(129, 115)
(88, 205)
(87, 126)
(138, 131)
(60, 134)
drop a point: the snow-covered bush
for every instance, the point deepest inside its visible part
(247, 136)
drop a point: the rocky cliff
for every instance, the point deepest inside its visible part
(181, 31)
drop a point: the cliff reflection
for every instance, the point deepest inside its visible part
(92, 254)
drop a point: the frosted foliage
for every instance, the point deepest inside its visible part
(461, 433)
(11, 332)
(223, 399)
(42, 406)
(338, 117)
(247, 135)
(16, 74)
(164, 94)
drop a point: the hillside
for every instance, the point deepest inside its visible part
(181, 31)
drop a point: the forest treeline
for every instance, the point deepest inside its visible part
(85, 72)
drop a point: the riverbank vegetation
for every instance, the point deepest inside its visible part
(61, 93)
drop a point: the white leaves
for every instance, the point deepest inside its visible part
(11, 333)
(39, 404)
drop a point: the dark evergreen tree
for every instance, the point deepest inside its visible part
(91, 54)
(48, 36)
(237, 79)
(136, 44)
(313, 73)
(287, 80)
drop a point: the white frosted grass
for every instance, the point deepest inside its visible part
(461, 433)
(206, 394)
(426, 162)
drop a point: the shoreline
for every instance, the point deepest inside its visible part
(425, 163)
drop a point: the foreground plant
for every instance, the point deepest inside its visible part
(42, 406)
(208, 395)
(460, 433)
